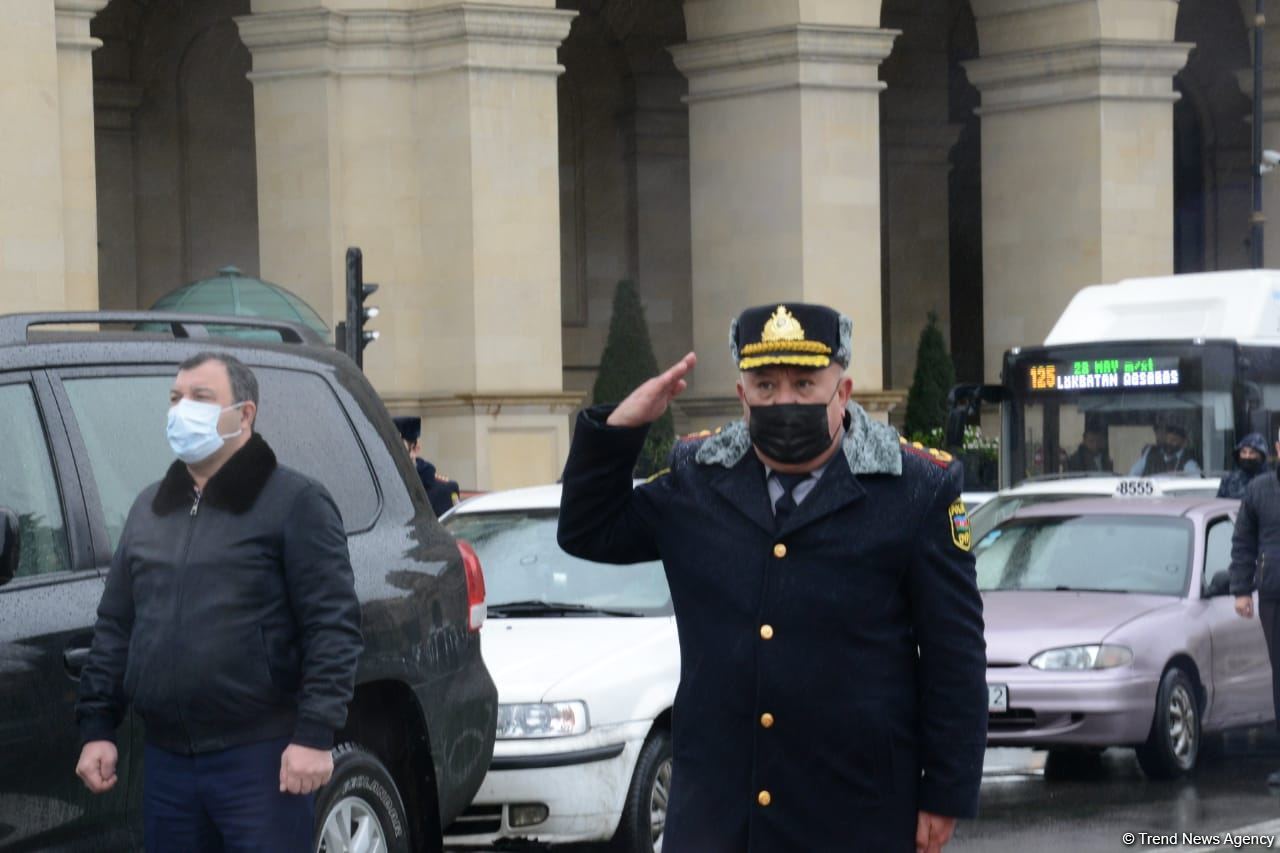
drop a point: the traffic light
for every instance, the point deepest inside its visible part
(357, 337)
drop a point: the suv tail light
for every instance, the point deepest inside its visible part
(476, 610)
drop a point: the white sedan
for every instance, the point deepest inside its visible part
(587, 661)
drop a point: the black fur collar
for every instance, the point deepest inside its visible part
(234, 488)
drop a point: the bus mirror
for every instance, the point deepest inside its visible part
(964, 402)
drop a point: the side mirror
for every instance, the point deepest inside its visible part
(1219, 584)
(10, 545)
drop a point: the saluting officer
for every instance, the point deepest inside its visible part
(832, 693)
(441, 491)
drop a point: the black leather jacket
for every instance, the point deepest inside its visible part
(228, 618)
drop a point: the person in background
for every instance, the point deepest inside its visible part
(1091, 455)
(1171, 454)
(441, 491)
(1251, 460)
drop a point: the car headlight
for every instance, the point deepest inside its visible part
(542, 719)
(1083, 657)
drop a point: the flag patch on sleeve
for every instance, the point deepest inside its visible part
(960, 533)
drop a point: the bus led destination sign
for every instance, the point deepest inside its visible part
(1107, 374)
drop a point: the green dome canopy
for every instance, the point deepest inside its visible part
(235, 294)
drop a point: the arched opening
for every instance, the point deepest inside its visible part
(1211, 143)
(965, 200)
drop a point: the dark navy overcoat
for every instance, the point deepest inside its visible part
(832, 671)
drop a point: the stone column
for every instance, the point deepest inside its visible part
(79, 175)
(784, 120)
(1077, 154)
(48, 240)
(425, 133)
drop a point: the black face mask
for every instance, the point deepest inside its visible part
(1251, 466)
(791, 433)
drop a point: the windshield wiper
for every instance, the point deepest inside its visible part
(533, 607)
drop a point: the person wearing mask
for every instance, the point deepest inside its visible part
(833, 668)
(1251, 460)
(1171, 453)
(230, 623)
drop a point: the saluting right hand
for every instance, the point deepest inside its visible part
(1244, 606)
(97, 767)
(648, 402)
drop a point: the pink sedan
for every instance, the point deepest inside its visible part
(1109, 623)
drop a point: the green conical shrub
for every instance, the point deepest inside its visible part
(627, 362)
(935, 375)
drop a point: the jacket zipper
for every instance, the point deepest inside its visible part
(186, 552)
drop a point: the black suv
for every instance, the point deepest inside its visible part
(82, 423)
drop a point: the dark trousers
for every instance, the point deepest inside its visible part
(1269, 616)
(223, 802)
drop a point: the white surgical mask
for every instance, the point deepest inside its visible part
(193, 430)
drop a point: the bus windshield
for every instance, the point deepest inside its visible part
(1129, 409)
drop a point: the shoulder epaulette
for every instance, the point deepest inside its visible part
(938, 457)
(697, 436)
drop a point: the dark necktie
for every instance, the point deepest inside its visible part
(786, 504)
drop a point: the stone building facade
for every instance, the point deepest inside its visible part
(503, 164)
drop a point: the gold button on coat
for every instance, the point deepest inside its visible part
(779, 550)
(766, 632)
(764, 798)
(766, 720)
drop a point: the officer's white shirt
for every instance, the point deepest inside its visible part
(800, 492)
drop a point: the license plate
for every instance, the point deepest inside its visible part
(997, 697)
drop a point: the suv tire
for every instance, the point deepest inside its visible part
(1173, 746)
(360, 805)
(644, 817)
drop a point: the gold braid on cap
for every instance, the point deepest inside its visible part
(816, 347)
(793, 360)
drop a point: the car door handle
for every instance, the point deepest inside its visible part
(75, 658)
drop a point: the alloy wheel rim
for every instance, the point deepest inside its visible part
(352, 827)
(659, 796)
(1182, 726)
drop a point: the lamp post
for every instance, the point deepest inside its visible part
(1256, 219)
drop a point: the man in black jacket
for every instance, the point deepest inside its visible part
(231, 624)
(833, 672)
(1255, 566)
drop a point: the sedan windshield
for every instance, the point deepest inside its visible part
(526, 574)
(1087, 553)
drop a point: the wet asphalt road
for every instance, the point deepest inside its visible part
(1091, 808)
(1028, 807)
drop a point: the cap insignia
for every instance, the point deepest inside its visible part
(782, 326)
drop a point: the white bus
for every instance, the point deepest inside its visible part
(1188, 361)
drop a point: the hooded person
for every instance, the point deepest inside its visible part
(1251, 460)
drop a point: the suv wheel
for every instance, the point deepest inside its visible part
(360, 810)
(1173, 746)
(644, 819)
